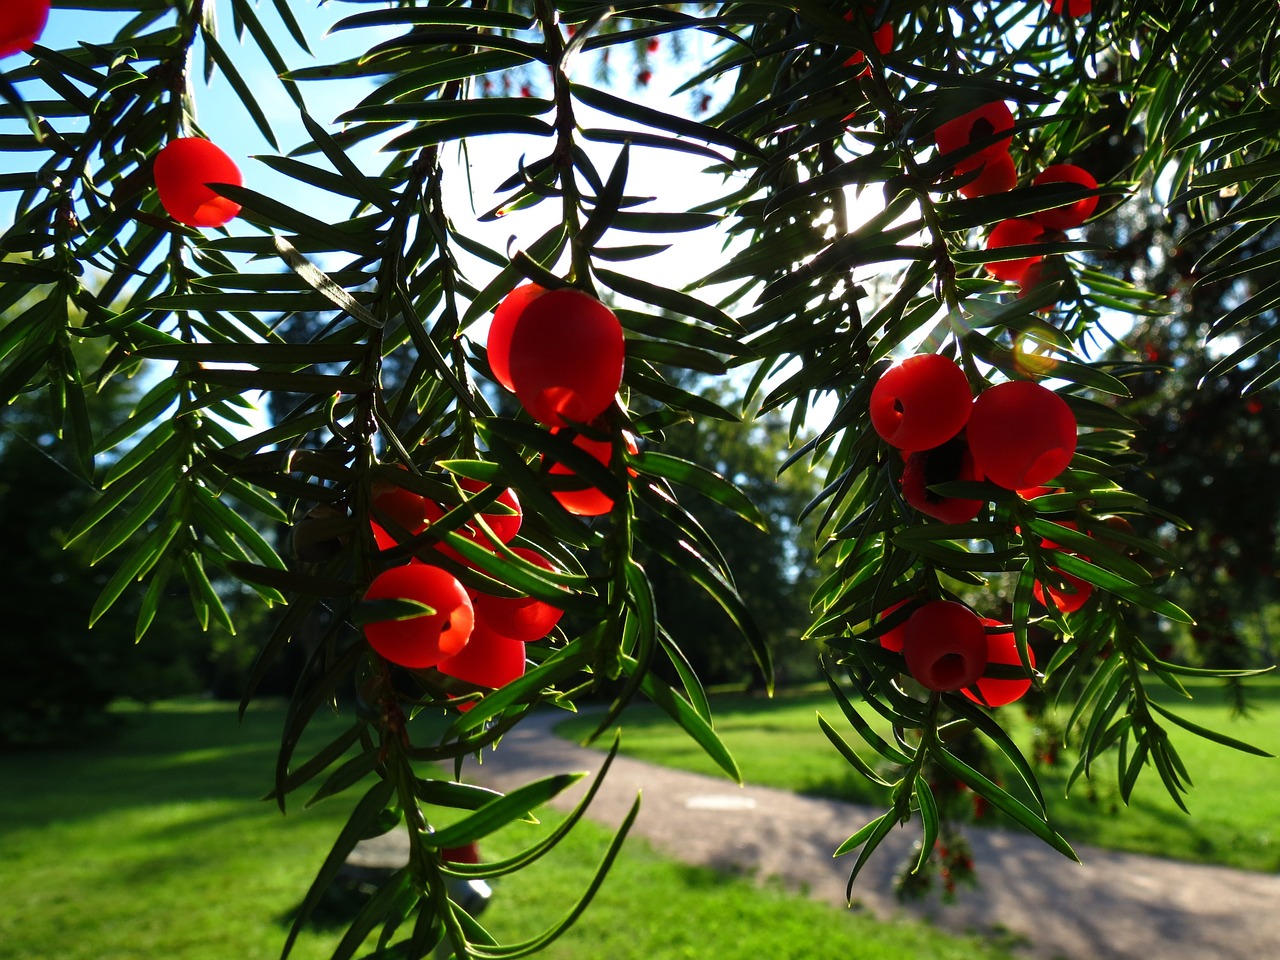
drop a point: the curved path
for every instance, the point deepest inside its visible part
(1114, 906)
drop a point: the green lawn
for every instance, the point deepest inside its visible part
(155, 844)
(777, 743)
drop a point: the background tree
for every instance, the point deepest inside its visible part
(812, 108)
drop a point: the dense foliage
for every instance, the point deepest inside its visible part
(858, 190)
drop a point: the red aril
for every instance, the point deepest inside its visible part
(944, 645)
(566, 357)
(891, 639)
(1072, 8)
(520, 618)
(997, 174)
(1067, 597)
(183, 169)
(488, 660)
(587, 501)
(1002, 649)
(920, 402)
(21, 23)
(942, 464)
(882, 38)
(977, 125)
(1013, 233)
(425, 640)
(1021, 434)
(1071, 214)
(502, 327)
(503, 524)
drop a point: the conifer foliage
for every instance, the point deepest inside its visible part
(898, 182)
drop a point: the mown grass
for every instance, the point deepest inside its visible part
(156, 844)
(1235, 803)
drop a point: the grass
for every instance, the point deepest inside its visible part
(155, 844)
(1235, 806)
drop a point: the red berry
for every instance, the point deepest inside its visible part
(183, 168)
(1072, 8)
(643, 77)
(1067, 598)
(942, 464)
(21, 23)
(402, 507)
(1071, 214)
(503, 325)
(882, 38)
(587, 501)
(920, 402)
(426, 640)
(977, 125)
(652, 45)
(998, 175)
(945, 645)
(1013, 233)
(1002, 648)
(1021, 434)
(518, 618)
(566, 357)
(488, 660)
(504, 525)
(892, 639)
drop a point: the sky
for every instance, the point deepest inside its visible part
(678, 179)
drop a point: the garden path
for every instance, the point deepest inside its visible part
(1113, 906)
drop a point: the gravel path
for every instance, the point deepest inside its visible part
(1114, 906)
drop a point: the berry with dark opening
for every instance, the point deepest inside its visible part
(1021, 434)
(921, 402)
(945, 645)
(985, 122)
(183, 170)
(425, 640)
(942, 464)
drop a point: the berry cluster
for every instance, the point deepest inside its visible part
(471, 635)
(1017, 435)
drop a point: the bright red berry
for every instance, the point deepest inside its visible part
(945, 645)
(488, 660)
(566, 357)
(1002, 648)
(183, 170)
(1013, 233)
(978, 125)
(1071, 214)
(1021, 434)
(518, 618)
(21, 23)
(587, 501)
(502, 327)
(920, 402)
(425, 640)
(997, 174)
(942, 464)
